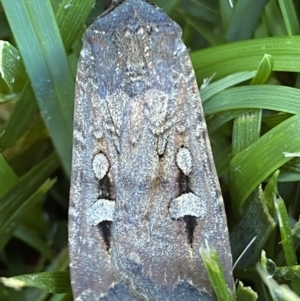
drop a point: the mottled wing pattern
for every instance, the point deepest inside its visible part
(145, 195)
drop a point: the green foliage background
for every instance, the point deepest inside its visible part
(250, 52)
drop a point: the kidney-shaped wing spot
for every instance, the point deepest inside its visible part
(100, 166)
(184, 160)
(102, 210)
(187, 206)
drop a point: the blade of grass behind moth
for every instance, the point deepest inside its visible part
(286, 239)
(206, 29)
(245, 231)
(17, 201)
(32, 239)
(13, 218)
(17, 124)
(254, 164)
(61, 297)
(267, 197)
(218, 120)
(280, 292)
(70, 18)
(54, 282)
(277, 98)
(244, 19)
(246, 56)
(290, 172)
(246, 127)
(215, 272)
(246, 130)
(276, 118)
(36, 33)
(203, 10)
(245, 293)
(7, 176)
(273, 19)
(167, 6)
(291, 191)
(231, 80)
(59, 263)
(226, 11)
(11, 67)
(288, 11)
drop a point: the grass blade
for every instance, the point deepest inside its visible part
(254, 164)
(38, 38)
(246, 56)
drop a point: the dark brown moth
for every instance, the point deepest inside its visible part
(144, 194)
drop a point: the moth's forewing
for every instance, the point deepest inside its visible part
(139, 113)
(91, 273)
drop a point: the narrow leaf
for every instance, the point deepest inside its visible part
(54, 282)
(19, 199)
(11, 67)
(215, 272)
(254, 164)
(35, 30)
(246, 56)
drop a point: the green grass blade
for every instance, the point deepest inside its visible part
(226, 11)
(206, 30)
(282, 291)
(270, 192)
(70, 18)
(287, 238)
(286, 232)
(217, 121)
(264, 70)
(246, 56)
(271, 97)
(7, 176)
(32, 239)
(275, 118)
(167, 6)
(215, 272)
(38, 38)
(254, 164)
(202, 9)
(11, 67)
(273, 19)
(288, 272)
(8, 224)
(244, 19)
(19, 199)
(245, 293)
(54, 282)
(291, 173)
(61, 297)
(242, 235)
(288, 11)
(246, 130)
(20, 118)
(231, 80)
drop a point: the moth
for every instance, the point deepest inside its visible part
(144, 191)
